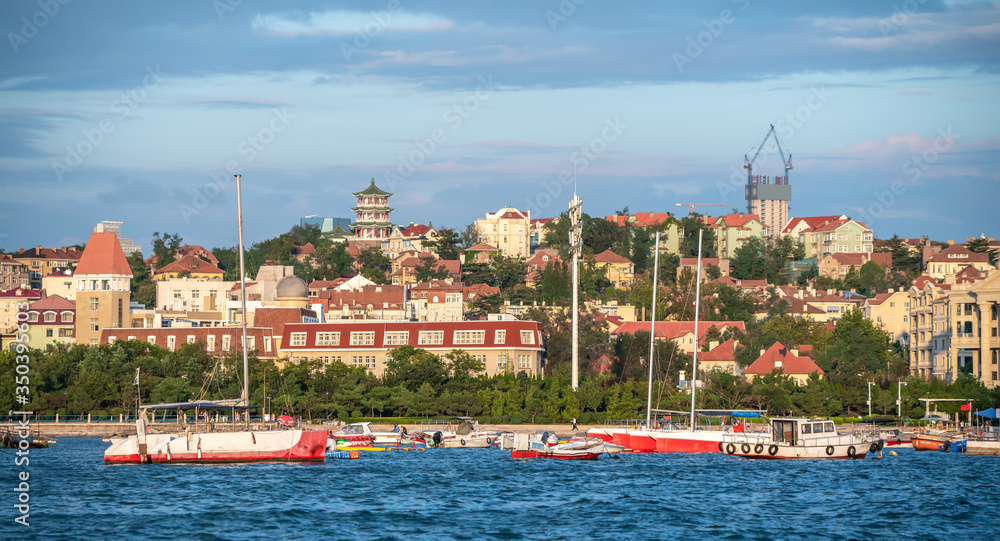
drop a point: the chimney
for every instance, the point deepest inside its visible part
(38, 248)
(762, 350)
(892, 290)
(20, 251)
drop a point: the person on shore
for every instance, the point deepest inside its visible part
(574, 424)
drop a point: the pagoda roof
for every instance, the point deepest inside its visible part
(373, 207)
(372, 190)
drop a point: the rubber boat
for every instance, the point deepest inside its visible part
(547, 446)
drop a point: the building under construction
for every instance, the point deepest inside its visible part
(768, 196)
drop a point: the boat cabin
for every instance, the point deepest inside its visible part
(791, 431)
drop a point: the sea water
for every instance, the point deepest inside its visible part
(484, 494)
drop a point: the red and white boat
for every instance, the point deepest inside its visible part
(672, 439)
(547, 446)
(211, 446)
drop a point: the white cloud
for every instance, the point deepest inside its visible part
(349, 22)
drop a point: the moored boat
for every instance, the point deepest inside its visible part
(792, 438)
(547, 446)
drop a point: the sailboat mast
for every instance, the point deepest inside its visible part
(243, 298)
(697, 305)
(652, 331)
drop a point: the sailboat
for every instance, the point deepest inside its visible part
(201, 446)
(667, 439)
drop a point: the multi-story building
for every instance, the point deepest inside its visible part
(11, 302)
(795, 226)
(735, 230)
(371, 302)
(837, 236)
(217, 341)
(51, 321)
(103, 280)
(680, 332)
(954, 329)
(508, 229)
(42, 261)
(954, 259)
(768, 198)
(13, 274)
(437, 300)
(620, 270)
(415, 237)
(538, 233)
(192, 295)
(891, 312)
(372, 214)
(502, 346)
(61, 283)
(838, 265)
(787, 360)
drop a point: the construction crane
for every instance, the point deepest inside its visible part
(748, 162)
(693, 205)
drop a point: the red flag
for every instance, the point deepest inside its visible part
(967, 407)
(740, 427)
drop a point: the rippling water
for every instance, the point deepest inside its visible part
(484, 494)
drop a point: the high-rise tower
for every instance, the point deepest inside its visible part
(768, 196)
(372, 221)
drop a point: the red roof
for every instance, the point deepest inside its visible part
(416, 230)
(676, 329)
(736, 220)
(810, 222)
(69, 254)
(969, 275)
(540, 221)
(790, 363)
(640, 219)
(53, 302)
(377, 296)
(482, 247)
(958, 253)
(725, 351)
(479, 290)
(607, 256)
(305, 249)
(190, 263)
(923, 280)
(103, 255)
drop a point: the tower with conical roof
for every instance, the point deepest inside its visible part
(103, 288)
(372, 221)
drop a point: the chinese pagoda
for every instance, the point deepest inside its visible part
(372, 222)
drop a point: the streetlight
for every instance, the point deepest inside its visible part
(870, 383)
(899, 399)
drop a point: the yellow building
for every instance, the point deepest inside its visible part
(11, 302)
(620, 270)
(891, 312)
(735, 230)
(954, 259)
(51, 321)
(508, 229)
(103, 280)
(43, 261)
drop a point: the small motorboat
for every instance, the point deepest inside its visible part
(548, 446)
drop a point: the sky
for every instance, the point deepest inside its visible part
(141, 112)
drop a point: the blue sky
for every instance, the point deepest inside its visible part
(133, 111)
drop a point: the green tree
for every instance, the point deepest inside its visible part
(165, 248)
(330, 261)
(447, 245)
(430, 269)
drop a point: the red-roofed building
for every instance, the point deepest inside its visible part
(502, 346)
(381, 302)
(780, 357)
(508, 229)
(691, 263)
(437, 300)
(720, 358)
(798, 225)
(480, 253)
(735, 230)
(51, 321)
(843, 236)
(300, 253)
(470, 293)
(13, 274)
(537, 228)
(953, 259)
(11, 302)
(891, 312)
(838, 265)
(414, 237)
(620, 270)
(188, 266)
(681, 332)
(103, 288)
(43, 261)
(217, 341)
(406, 268)
(669, 235)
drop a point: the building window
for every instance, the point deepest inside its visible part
(363, 338)
(94, 325)
(32, 317)
(298, 339)
(524, 361)
(527, 337)
(500, 337)
(111, 340)
(211, 343)
(396, 338)
(226, 341)
(171, 340)
(48, 333)
(94, 305)
(190, 339)
(50, 317)
(151, 340)
(251, 343)
(431, 338)
(502, 361)
(470, 337)
(327, 339)
(67, 317)
(267, 344)
(892, 319)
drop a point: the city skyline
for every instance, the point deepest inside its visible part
(114, 113)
